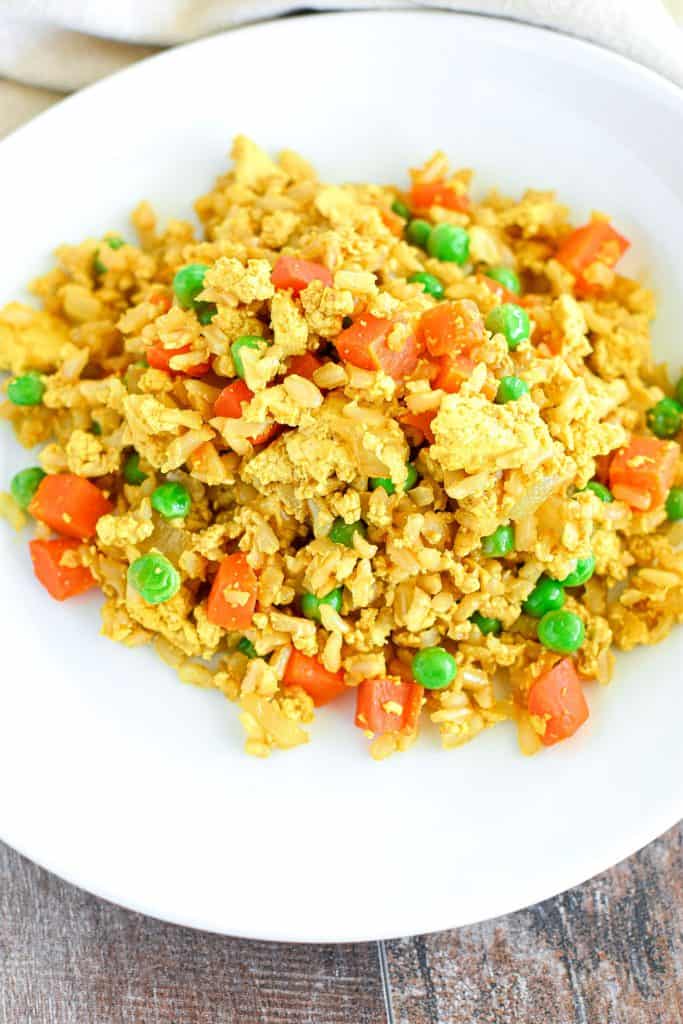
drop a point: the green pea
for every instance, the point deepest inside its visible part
(205, 311)
(486, 625)
(510, 389)
(387, 484)
(97, 264)
(674, 504)
(188, 283)
(154, 578)
(600, 491)
(434, 668)
(547, 596)
(26, 390)
(505, 276)
(430, 284)
(449, 243)
(115, 241)
(310, 604)
(399, 207)
(511, 321)
(418, 232)
(24, 485)
(678, 392)
(585, 567)
(171, 500)
(96, 428)
(561, 631)
(499, 543)
(246, 341)
(132, 473)
(245, 646)
(411, 478)
(664, 418)
(343, 533)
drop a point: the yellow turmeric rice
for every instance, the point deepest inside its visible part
(394, 441)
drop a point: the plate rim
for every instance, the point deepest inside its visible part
(513, 24)
(672, 811)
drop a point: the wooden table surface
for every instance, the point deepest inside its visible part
(608, 952)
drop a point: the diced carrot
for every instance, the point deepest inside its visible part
(530, 300)
(161, 300)
(305, 365)
(633, 496)
(595, 242)
(392, 221)
(308, 673)
(422, 421)
(69, 505)
(425, 194)
(453, 370)
(388, 704)
(365, 344)
(160, 359)
(502, 294)
(353, 343)
(398, 364)
(412, 707)
(557, 698)
(641, 473)
(234, 609)
(602, 464)
(296, 274)
(271, 431)
(229, 404)
(452, 327)
(549, 336)
(60, 581)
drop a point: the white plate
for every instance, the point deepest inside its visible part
(134, 787)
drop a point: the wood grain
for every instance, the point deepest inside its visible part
(68, 958)
(608, 952)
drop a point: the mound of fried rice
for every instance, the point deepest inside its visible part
(419, 575)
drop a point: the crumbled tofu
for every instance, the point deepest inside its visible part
(290, 330)
(230, 282)
(30, 340)
(252, 164)
(571, 322)
(474, 434)
(278, 227)
(126, 530)
(87, 456)
(275, 403)
(537, 213)
(325, 308)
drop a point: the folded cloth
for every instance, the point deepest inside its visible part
(56, 46)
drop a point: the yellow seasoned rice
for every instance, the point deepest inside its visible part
(419, 575)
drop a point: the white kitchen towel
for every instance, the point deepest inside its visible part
(51, 47)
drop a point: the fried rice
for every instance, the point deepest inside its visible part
(358, 481)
